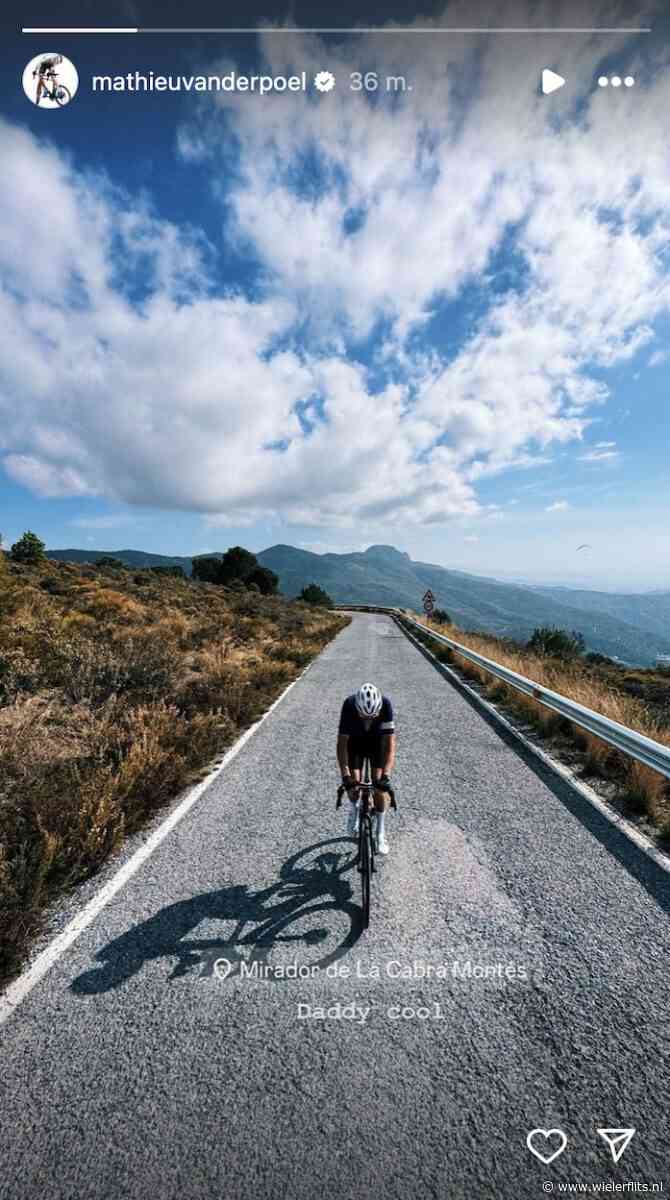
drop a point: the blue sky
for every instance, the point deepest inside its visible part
(438, 320)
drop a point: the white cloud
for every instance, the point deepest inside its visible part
(184, 400)
(557, 506)
(658, 358)
(471, 538)
(599, 455)
(44, 478)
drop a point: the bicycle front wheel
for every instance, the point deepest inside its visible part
(62, 95)
(365, 867)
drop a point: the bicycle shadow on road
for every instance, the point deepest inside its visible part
(312, 884)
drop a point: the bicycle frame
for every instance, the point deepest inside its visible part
(365, 858)
(51, 88)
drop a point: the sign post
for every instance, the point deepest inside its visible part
(428, 603)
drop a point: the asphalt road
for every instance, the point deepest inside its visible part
(133, 1070)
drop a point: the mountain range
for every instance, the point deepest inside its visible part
(634, 628)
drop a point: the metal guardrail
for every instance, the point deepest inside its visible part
(627, 741)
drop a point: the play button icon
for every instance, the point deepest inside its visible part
(551, 82)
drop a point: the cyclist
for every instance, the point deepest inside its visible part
(367, 730)
(44, 68)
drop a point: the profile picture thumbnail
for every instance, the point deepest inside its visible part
(50, 80)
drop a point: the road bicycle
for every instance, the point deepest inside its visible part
(365, 858)
(56, 92)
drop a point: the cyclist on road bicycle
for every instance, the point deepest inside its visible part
(367, 730)
(44, 68)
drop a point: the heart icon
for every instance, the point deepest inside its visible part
(545, 1138)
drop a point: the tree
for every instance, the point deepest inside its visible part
(207, 570)
(237, 568)
(237, 563)
(28, 549)
(313, 594)
(265, 580)
(556, 643)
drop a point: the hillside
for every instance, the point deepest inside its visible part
(646, 610)
(116, 689)
(384, 575)
(635, 629)
(132, 558)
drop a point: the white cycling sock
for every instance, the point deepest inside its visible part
(381, 823)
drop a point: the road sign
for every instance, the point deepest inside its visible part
(428, 605)
(428, 596)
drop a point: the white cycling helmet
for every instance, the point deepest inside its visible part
(368, 700)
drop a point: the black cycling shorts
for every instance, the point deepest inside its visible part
(365, 746)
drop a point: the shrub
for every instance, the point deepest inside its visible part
(556, 643)
(313, 594)
(172, 570)
(441, 617)
(52, 584)
(111, 699)
(108, 560)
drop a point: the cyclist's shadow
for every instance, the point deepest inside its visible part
(311, 883)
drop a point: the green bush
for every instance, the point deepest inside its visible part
(171, 570)
(556, 643)
(442, 617)
(313, 594)
(108, 560)
(28, 549)
(599, 660)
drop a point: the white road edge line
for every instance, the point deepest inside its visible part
(21, 987)
(587, 793)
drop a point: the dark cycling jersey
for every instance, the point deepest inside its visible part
(352, 724)
(48, 63)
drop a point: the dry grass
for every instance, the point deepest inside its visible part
(641, 790)
(116, 690)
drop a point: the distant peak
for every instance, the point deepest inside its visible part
(382, 551)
